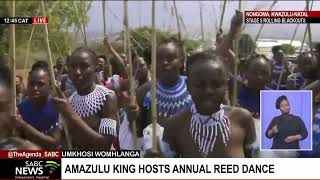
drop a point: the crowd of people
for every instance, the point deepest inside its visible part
(93, 107)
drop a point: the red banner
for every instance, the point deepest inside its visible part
(30, 154)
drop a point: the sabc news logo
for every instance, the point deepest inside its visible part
(37, 169)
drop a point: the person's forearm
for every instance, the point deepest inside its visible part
(90, 139)
(315, 87)
(119, 61)
(226, 45)
(43, 140)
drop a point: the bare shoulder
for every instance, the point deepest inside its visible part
(111, 96)
(178, 119)
(242, 118)
(174, 127)
(142, 91)
(242, 115)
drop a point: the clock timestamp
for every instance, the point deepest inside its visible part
(15, 20)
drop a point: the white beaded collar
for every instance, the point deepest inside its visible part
(91, 103)
(204, 129)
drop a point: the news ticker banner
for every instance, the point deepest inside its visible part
(281, 17)
(127, 165)
(250, 17)
(24, 20)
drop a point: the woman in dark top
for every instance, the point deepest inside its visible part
(40, 119)
(286, 130)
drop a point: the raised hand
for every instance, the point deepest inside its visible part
(275, 129)
(106, 41)
(62, 103)
(132, 109)
(291, 139)
(237, 21)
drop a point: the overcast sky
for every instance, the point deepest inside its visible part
(140, 15)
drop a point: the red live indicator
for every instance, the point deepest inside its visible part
(39, 20)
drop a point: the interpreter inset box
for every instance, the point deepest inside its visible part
(286, 120)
